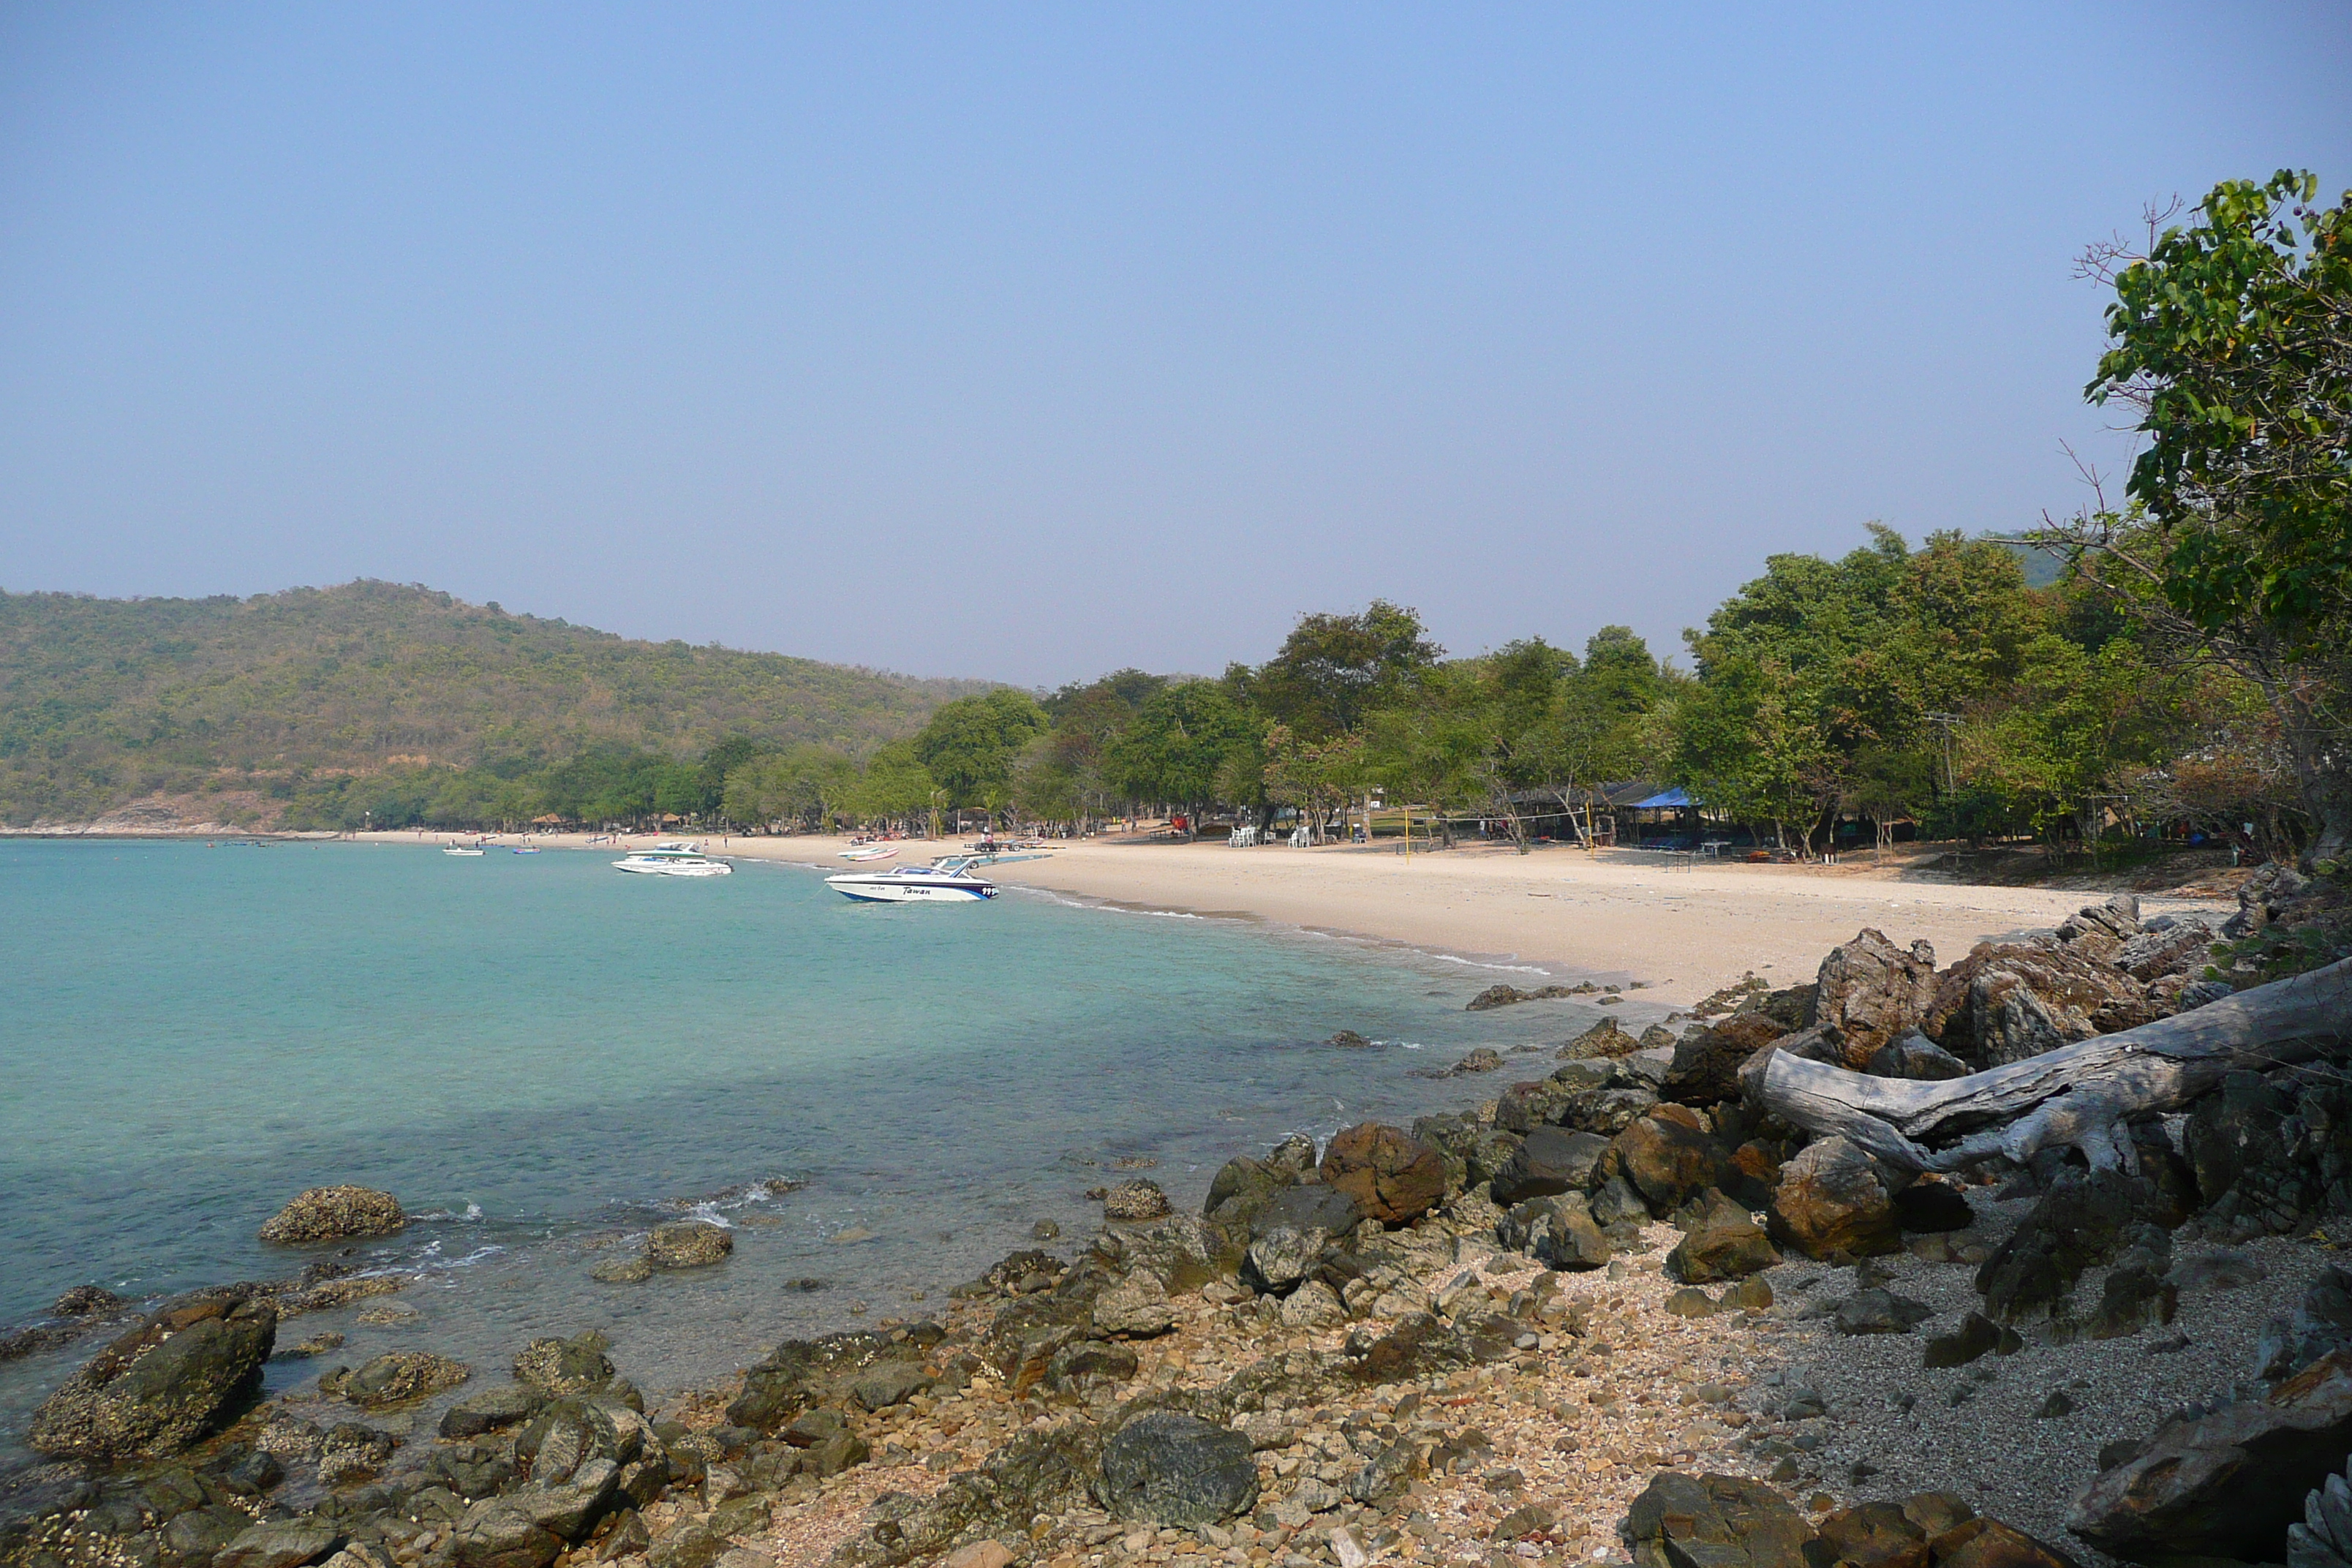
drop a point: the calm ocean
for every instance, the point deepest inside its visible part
(540, 1055)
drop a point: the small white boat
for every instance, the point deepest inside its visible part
(472, 851)
(869, 852)
(678, 859)
(949, 881)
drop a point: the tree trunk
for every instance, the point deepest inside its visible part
(2079, 1096)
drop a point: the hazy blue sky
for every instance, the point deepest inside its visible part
(1129, 332)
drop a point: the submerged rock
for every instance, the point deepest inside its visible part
(84, 1301)
(556, 1367)
(687, 1244)
(333, 1214)
(1136, 1200)
(396, 1377)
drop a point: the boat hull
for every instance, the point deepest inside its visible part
(905, 890)
(711, 869)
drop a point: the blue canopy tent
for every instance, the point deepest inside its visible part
(1678, 815)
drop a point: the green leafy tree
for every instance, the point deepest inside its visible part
(1332, 672)
(1179, 741)
(1839, 664)
(1316, 778)
(2082, 723)
(1596, 729)
(1069, 775)
(1746, 745)
(2230, 335)
(808, 786)
(895, 785)
(969, 745)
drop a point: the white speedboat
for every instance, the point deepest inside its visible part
(472, 851)
(949, 882)
(678, 858)
(869, 852)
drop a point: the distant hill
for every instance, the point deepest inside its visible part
(2043, 566)
(108, 701)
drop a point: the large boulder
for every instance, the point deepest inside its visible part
(1721, 1240)
(2108, 925)
(2167, 945)
(1310, 1205)
(163, 1385)
(1604, 1039)
(1276, 1261)
(333, 1214)
(1040, 1471)
(1915, 1055)
(1872, 991)
(1523, 1107)
(2084, 1220)
(1668, 1157)
(2246, 1146)
(1134, 1308)
(689, 1244)
(1392, 1177)
(1891, 1533)
(491, 1410)
(1167, 1468)
(2008, 1001)
(1549, 1161)
(1473, 1152)
(1832, 1197)
(1715, 1521)
(2321, 1326)
(1557, 1232)
(2227, 1483)
(278, 1544)
(1240, 1191)
(799, 1373)
(1707, 1059)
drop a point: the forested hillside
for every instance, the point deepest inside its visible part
(105, 700)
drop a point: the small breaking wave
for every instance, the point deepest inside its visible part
(1505, 968)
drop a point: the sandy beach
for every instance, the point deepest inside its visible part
(1621, 916)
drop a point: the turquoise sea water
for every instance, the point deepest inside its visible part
(542, 1055)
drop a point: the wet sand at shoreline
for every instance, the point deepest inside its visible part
(1682, 929)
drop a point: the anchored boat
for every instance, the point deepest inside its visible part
(946, 882)
(678, 859)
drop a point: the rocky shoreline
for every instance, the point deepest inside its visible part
(1620, 1311)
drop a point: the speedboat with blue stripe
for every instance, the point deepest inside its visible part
(947, 882)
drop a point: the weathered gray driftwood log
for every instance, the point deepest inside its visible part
(2079, 1096)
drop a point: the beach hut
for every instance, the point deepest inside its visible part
(1661, 819)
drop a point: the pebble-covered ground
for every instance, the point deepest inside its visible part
(1574, 1427)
